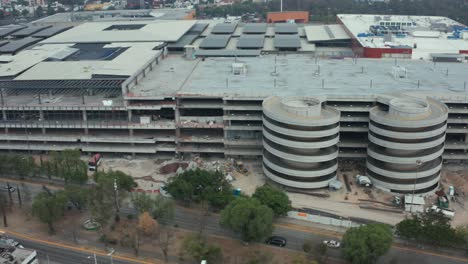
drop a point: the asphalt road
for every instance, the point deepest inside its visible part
(191, 220)
(57, 254)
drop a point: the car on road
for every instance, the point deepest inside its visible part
(6, 187)
(276, 241)
(332, 243)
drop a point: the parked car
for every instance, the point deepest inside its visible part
(332, 243)
(276, 241)
(6, 187)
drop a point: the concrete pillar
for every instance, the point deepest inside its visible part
(41, 117)
(85, 120)
(4, 117)
(129, 115)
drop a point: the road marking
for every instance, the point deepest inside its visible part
(99, 253)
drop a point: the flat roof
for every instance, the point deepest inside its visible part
(227, 53)
(125, 64)
(152, 30)
(325, 33)
(28, 31)
(51, 31)
(254, 28)
(414, 199)
(7, 30)
(224, 28)
(251, 41)
(14, 46)
(285, 28)
(116, 15)
(215, 41)
(427, 33)
(15, 64)
(287, 41)
(300, 74)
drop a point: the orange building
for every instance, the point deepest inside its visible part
(297, 16)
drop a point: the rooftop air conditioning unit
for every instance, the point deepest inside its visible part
(238, 68)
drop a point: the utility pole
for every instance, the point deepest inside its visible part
(19, 195)
(9, 194)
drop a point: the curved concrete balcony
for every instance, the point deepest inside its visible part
(423, 156)
(322, 169)
(326, 154)
(407, 135)
(425, 170)
(406, 146)
(296, 183)
(301, 144)
(395, 187)
(301, 133)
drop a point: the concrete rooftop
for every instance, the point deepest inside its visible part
(302, 75)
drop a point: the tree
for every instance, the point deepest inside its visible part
(142, 202)
(49, 208)
(147, 225)
(163, 210)
(25, 12)
(430, 227)
(201, 185)
(365, 244)
(77, 195)
(165, 236)
(39, 11)
(320, 250)
(274, 198)
(248, 217)
(105, 199)
(68, 165)
(130, 238)
(196, 247)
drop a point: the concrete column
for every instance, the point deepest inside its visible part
(4, 117)
(41, 117)
(129, 115)
(177, 121)
(85, 120)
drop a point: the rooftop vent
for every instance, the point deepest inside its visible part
(399, 72)
(238, 68)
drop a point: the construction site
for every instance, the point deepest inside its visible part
(270, 95)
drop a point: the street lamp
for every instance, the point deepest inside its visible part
(418, 164)
(115, 195)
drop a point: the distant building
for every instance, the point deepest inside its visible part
(297, 16)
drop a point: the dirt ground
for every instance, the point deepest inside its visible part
(359, 202)
(150, 174)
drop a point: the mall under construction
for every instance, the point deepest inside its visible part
(175, 88)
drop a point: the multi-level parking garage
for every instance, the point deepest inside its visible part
(300, 139)
(133, 96)
(406, 143)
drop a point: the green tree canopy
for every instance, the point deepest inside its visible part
(431, 227)
(142, 202)
(274, 198)
(103, 195)
(67, 164)
(49, 207)
(197, 248)
(77, 195)
(201, 185)
(163, 210)
(365, 244)
(248, 217)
